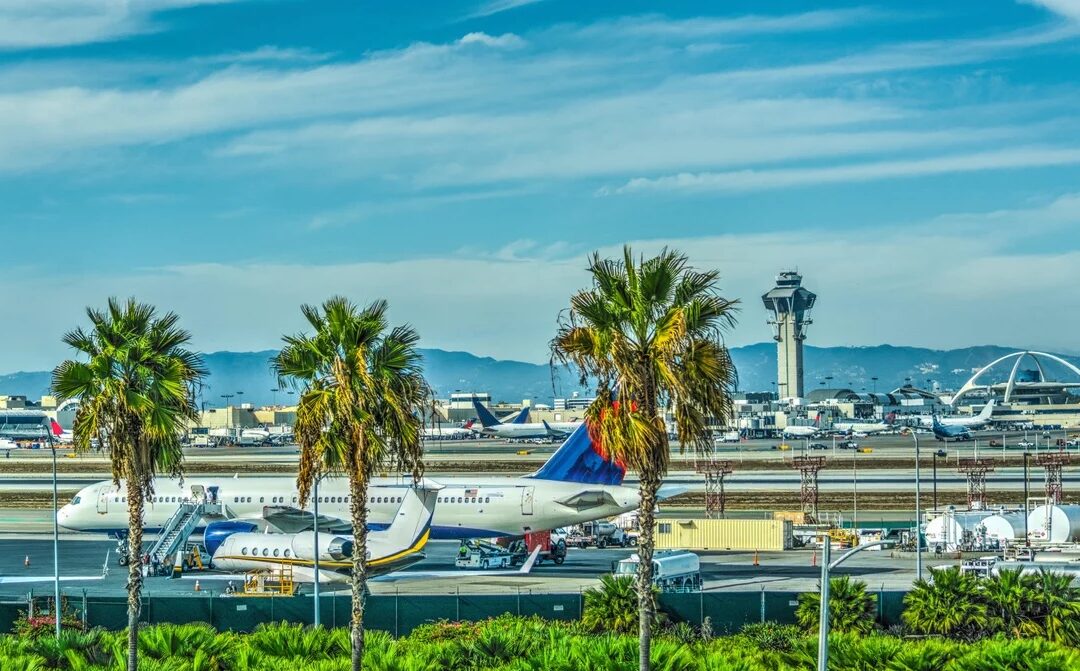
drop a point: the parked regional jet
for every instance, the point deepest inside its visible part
(973, 422)
(237, 546)
(8, 445)
(575, 485)
(523, 430)
(436, 432)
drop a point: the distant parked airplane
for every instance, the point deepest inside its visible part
(513, 430)
(974, 422)
(947, 433)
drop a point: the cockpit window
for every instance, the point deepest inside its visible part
(75, 501)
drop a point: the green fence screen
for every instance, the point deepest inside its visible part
(400, 614)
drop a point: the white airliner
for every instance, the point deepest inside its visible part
(796, 431)
(865, 428)
(7, 444)
(973, 422)
(575, 485)
(519, 430)
(392, 549)
(444, 432)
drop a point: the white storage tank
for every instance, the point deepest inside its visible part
(1004, 527)
(1055, 524)
(947, 532)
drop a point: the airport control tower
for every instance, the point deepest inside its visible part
(790, 306)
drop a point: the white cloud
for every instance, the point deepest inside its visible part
(27, 24)
(926, 283)
(499, 6)
(479, 110)
(504, 41)
(759, 180)
(265, 54)
(659, 27)
(1070, 9)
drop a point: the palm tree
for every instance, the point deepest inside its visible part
(361, 406)
(851, 608)
(1056, 604)
(950, 606)
(648, 333)
(135, 382)
(1009, 597)
(611, 607)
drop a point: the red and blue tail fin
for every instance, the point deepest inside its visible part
(577, 460)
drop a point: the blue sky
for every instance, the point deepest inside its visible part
(918, 162)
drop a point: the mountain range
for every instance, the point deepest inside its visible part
(850, 367)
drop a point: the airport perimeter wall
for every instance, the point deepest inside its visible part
(400, 614)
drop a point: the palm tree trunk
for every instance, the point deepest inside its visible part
(135, 534)
(649, 484)
(358, 487)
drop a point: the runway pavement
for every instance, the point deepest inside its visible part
(85, 556)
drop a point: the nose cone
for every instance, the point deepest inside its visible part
(64, 516)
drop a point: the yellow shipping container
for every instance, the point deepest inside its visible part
(686, 534)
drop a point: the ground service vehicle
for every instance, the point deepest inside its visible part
(599, 533)
(483, 555)
(552, 546)
(673, 570)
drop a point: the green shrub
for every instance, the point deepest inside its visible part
(927, 655)
(1000, 654)
(771, 636)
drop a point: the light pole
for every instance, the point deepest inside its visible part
(1027, 539)
(855, 495)
(228, 416)
(942, 454)
(823, 614)
(274, 391)
(56, 534)
(918, 512)
(318, 576)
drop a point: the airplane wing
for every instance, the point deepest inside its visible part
(20, 580)
(669, 491)
(590, 498)
(290, 520)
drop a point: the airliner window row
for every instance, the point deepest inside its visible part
(322, 499)
(265, 552)
(464, 499)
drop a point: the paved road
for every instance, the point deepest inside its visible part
(839, 479)
(883, 445)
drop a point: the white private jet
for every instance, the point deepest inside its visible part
(521, 430)
(392, 549)
(575, 485)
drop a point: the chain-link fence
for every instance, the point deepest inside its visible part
(401, 613)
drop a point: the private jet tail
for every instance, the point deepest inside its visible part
(412, 524)
(578, 460)
(487, 420)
